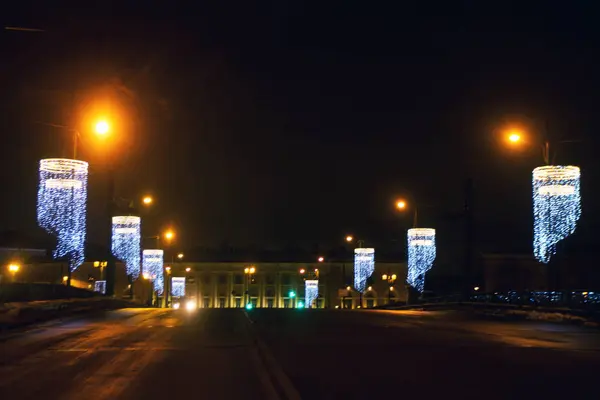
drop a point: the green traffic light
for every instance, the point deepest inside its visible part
(249, 306)
(292, 294)
(300, 304)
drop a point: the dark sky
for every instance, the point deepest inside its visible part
(297, 122)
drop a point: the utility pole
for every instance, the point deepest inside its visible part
(111, 266)
(469, 239)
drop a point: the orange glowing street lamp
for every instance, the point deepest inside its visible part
(514, 137)
(402, 205)
(147, 200)
(13, 268)
(520, 138)
(102, 127)
(169, 235)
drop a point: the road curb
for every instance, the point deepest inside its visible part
(282, 385)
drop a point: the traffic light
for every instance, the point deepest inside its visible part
(300, 304)
(249, 306)
(292, 294)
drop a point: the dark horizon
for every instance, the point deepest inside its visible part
(293, 124)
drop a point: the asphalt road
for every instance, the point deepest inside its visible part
(346, 355)
(135, 354)
(293, 354)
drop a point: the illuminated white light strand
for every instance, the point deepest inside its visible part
(100, 287)
(62, 206)
(152, 267)
(364, 266)
(311, 292)
(177, 286)
(126, 238)
(556, 207)
(421, 255)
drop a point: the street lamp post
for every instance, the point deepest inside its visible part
(111, 266)
(402, 205)
(248, 272)
(555, 212)
(169, 236)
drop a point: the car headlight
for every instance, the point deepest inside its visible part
(190, 305)
(176, 306)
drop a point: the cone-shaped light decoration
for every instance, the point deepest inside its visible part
(421, 254)
(178, 286)
(152, 266)
(364, 266)
(126, 237)
(556, 207)
(311, 292)
(62, 206)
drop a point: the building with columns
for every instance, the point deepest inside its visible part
(281, 285)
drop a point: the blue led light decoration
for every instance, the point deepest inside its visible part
(152, 267)
(177, 286)
(364, 266)
(311, 292)
(556, 207)
(126, 237)
(62, 206)
(421, 255)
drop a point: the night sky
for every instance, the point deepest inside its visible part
(297, 122)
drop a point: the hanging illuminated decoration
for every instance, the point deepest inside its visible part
(100, 287)
(311, 292)
(62, 206)
(556, 207)
(126, 237)
(152, 267)
(177, 286)
(364, 266)
(421, 254)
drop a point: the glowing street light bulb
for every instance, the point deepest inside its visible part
(320, 259)
(401, 204)
(349, 238)
(180, 256)
(188, 269)
(14, 268)
(302, 270)
(147, 200)
(169, 235)
(252, 270)
(102, 127)
(514, 137)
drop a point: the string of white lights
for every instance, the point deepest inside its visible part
(62, 206)
(311, 292)
(364, 266)
(178, 286)
(556, 207)
(126, 238)
(152, 267)
(421, 255)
